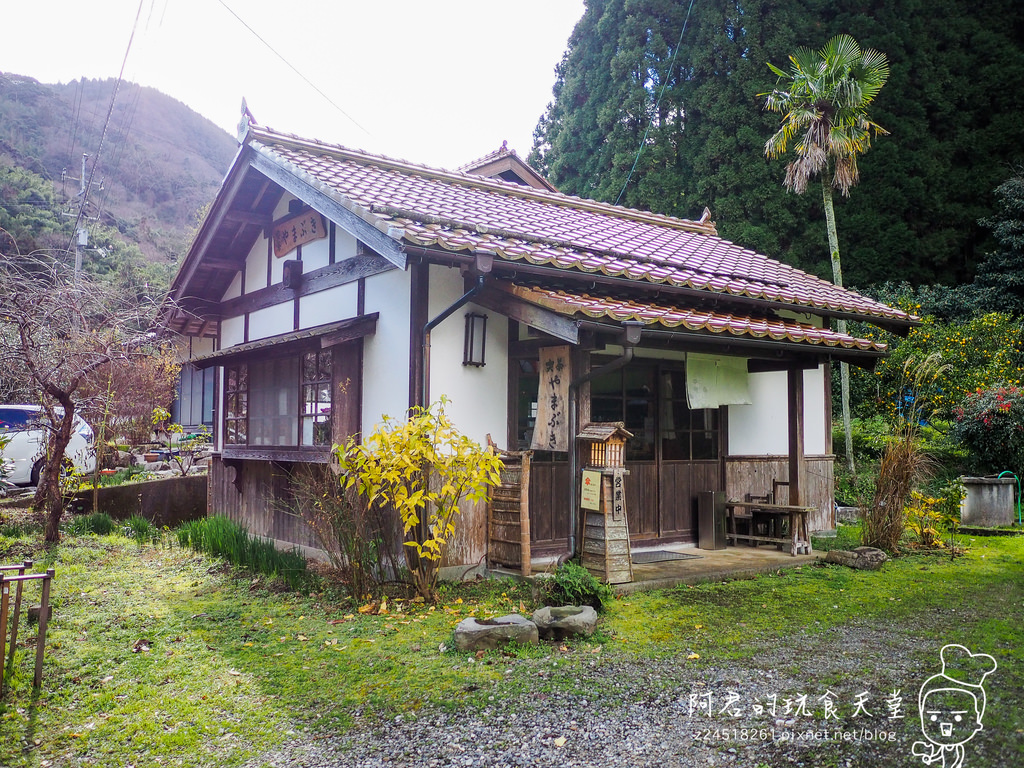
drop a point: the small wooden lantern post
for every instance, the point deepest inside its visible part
(605, 544)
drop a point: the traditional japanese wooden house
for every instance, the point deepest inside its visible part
(328, 287)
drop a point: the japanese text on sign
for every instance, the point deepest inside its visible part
(551, 432)
(590, 493)
(297, 230)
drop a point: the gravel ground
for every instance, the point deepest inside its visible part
(672, 712)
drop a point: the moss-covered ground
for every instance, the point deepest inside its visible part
(157, 655)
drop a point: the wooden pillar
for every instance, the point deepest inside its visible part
(419, 286)
(795, 388)
(347, 389)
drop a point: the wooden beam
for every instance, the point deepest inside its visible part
(312, 454)
(229, 264)
(795, 397)
(788, 363)
(545, 320)
(356, 226)
(331, 276)
(249, 217)
(360, 327)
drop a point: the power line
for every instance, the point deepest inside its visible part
(293, 69)
(106, 124)
(124, 130)
(77, 108)
(657, 103)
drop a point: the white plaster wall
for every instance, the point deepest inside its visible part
(315, 254)
(328, 306)
(256, 266)
(345, 245)
(479, 396)
(232, 331)
(187, 347)
(386, 353)
(200, 346)
(235, 289)
(817, 423)
(271, 321)
(762, 428)
(277, 267)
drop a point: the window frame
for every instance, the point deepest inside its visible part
(238, 403)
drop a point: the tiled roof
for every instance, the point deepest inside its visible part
(655, 313)
(460, 212)
(502, 151)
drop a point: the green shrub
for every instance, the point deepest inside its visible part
(847, 536)
(130, 474)
(869, 437)
(98, 523)
(575, 585)
(855, 490)
(225, 538)
(904, 462)
(990, 425)
(15, 530)
(142, 530)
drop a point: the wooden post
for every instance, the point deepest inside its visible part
(44, 611)
(795, 381)
(9, 663)
(5, 590)
(524, 516)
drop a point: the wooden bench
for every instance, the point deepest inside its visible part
(775, 515)
(747, 518)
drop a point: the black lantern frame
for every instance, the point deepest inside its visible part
(475, 347)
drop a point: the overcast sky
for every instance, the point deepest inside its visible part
(439, 83)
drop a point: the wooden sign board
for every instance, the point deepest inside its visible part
(590, 491)
(552, 428)
(618, 494)
(298, 230)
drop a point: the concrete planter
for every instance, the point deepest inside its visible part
(169, 501)
(989, 501)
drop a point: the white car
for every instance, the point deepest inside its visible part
(25, 454)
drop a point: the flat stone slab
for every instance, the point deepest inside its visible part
(861, 558)
(558, 623)
(474, 634)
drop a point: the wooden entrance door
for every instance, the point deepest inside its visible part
(673, 455)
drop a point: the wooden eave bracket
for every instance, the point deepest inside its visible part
(530, 314)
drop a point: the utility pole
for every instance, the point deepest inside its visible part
(80, 243)
(82, 233)
(81, 180)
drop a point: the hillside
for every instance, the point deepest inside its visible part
(161, 162)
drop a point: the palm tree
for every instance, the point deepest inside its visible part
(823, 100)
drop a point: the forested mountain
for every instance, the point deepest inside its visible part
(953, 107)
(160, 163)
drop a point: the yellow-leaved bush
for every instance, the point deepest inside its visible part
(421, 467)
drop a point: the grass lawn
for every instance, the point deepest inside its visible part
(158, 655)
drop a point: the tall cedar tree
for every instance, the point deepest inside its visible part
(1000, 280)
(952, 106)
